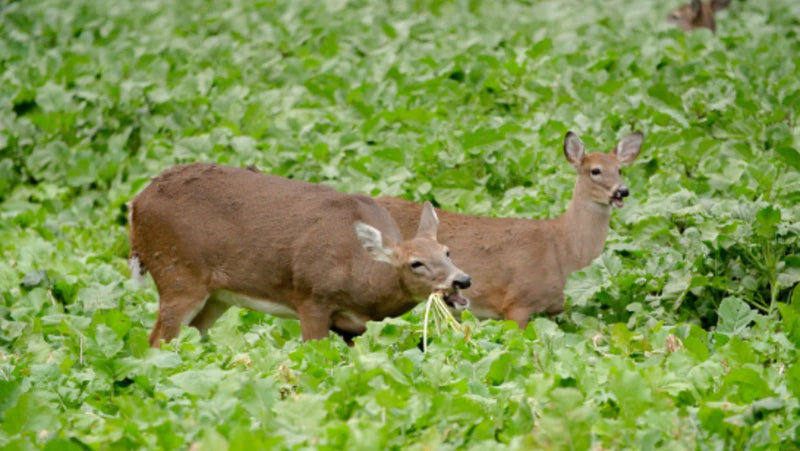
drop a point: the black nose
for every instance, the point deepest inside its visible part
(462, 282)
(623, 192)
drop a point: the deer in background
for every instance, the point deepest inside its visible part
(698, 15)
(520, 266)
(214, 236)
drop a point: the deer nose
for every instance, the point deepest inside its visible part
(462, 282)
(622, 191)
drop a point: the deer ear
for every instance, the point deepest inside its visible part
(628, 148)
(673, 17)
(718, 5)
(573, 149)
(372, 240)
(696, 6)
(428, 223)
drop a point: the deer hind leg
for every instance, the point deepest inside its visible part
(348, 326)
(180, 299)
(346, 336)
(174, 311)
(209, 314)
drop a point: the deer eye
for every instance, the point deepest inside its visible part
(447, 253)
(596, 171)
(416, 264)
(620, 171)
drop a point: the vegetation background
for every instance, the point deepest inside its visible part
(682, 335)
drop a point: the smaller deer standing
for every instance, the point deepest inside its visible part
(520, 266)
(214, 236)
(698, 15)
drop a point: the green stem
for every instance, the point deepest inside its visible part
(425, 325)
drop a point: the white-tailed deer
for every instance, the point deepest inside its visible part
(698, 15)
(214, 236)
(520, 266)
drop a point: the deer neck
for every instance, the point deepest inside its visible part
(394, 305)
(386, 292)
(585, 228)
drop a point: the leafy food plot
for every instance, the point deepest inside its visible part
(684, 332)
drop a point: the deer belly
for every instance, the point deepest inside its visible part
(261, 305)
(350, 321)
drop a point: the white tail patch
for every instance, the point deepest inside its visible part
(135, 267)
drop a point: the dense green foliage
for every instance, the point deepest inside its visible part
(683, 332)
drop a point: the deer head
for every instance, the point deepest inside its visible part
(600, 174)
(423, 263)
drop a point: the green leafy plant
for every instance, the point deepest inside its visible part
(683, 333)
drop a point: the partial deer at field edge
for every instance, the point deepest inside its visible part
(696, 15)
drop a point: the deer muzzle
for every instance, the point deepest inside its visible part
(453, 298)
(462, 282)
(619, 194)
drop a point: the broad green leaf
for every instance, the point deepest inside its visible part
(259, 397)
(63, 444)
(734, 316)
(790, 156)
(793, 379)
(34, 278)
(744, 385)
(790, 321)
(767, 220)
(631, 391)
(500, 369)
(108, 341)
(196, 382)
(30, 413)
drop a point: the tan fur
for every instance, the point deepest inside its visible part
(696, 15)
(204, 230)
(520, 266)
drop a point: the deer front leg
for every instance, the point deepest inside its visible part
(519, 314)
(315, 320)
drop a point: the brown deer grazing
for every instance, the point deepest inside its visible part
(214, 236)
(698, 15)
(520, 266)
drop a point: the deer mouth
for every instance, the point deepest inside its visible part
(616, 200)
(456, 300)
